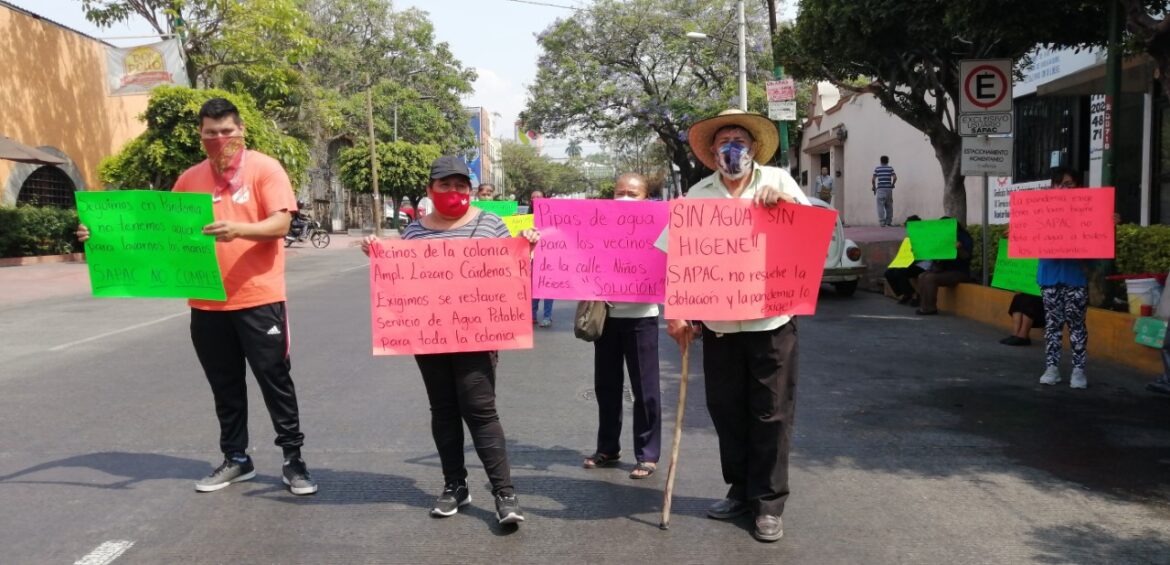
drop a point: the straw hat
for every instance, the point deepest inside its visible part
(702, 135)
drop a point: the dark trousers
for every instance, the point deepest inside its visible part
(634, 341)
(929, 283)
(462, 388)
(223, 342)
(751, 394)
(900, 277)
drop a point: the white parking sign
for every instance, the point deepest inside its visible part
(985, 85)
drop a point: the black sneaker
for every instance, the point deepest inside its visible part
(454, 495)
(508, 509)
(232, 470)
(297, 477)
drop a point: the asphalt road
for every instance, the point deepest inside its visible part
(918, 440)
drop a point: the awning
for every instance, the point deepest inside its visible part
(1136, 74)
(13, 150)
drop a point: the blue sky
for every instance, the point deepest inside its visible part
(496, 37)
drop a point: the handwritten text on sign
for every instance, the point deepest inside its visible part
(1062, 224)
(150, 244)
(730, 260)
(599, 250)
(446, 296)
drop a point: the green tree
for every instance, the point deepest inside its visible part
(1149, 25)
(403, 171)
(171, 143)
(573, 150)
(366, 44)
(252, 46)
(907, 53)
(626, 65)
(525, 170)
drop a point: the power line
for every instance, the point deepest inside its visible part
(547, 4)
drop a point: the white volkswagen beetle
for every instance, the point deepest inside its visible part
(843, 266)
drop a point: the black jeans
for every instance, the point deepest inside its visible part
(223, 341)
(900, 277)
(462, 388)
(750, 382)
(633, 341)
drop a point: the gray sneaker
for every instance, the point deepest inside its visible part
(727, 509)
(768, 528)
(231, 471)
(1051, 375)
(296, 476)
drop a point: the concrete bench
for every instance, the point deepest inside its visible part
(1111, 334)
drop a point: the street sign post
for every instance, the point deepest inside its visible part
(985, 85)
(985, 108)
(782, 111)
(781, 90)
(991, 123)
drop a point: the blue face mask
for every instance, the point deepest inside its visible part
(735, 159)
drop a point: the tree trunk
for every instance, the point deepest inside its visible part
(948, 149)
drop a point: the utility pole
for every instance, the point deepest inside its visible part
(1112, 93)
(377, 195)
(743, 98)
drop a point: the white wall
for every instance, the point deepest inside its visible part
(872, 132)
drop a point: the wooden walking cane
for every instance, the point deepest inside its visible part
(678, 423)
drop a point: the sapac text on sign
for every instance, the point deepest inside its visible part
(447, 296)
(986, 156)
(599, 250)
(730, 260)
(985, 124)
(1062, 223)
(150, 244)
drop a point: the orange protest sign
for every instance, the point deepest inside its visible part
(731, 260)
(447, 296)
(1062, 223)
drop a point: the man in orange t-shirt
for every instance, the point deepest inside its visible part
(253, 203)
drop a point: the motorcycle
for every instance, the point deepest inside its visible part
(312, 231)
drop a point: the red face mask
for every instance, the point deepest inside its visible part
(451, 204)
(226, 155)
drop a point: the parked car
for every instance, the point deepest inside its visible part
(843, 266)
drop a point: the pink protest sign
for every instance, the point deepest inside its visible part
(446, 296)
(599, 250)
(730, 260)
(1062, 223)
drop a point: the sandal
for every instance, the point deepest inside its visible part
(643, 470)
(600, 459)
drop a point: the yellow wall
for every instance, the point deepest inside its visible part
(1111, 334)
(54, 94)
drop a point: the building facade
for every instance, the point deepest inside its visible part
(55, 98)
(849, 133)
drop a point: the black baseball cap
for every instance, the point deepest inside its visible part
(449, 165)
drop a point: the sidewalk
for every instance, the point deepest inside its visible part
(31, 283)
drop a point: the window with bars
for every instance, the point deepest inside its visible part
(48, 186)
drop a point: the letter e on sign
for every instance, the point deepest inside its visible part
(986, 85)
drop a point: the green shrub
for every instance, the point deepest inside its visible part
(171, 144)
(27, 231)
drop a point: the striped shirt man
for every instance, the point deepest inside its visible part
(884, 178)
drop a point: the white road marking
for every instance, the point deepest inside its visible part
(116, 332)
(105, 553)
(363, 266)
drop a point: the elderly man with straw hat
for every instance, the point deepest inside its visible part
(749, 365)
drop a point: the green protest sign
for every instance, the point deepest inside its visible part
(501, 208)
(149, 244)
(933, 239)
(1018, 275)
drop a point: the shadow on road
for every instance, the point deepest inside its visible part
(1090, 543)
(135, 467)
